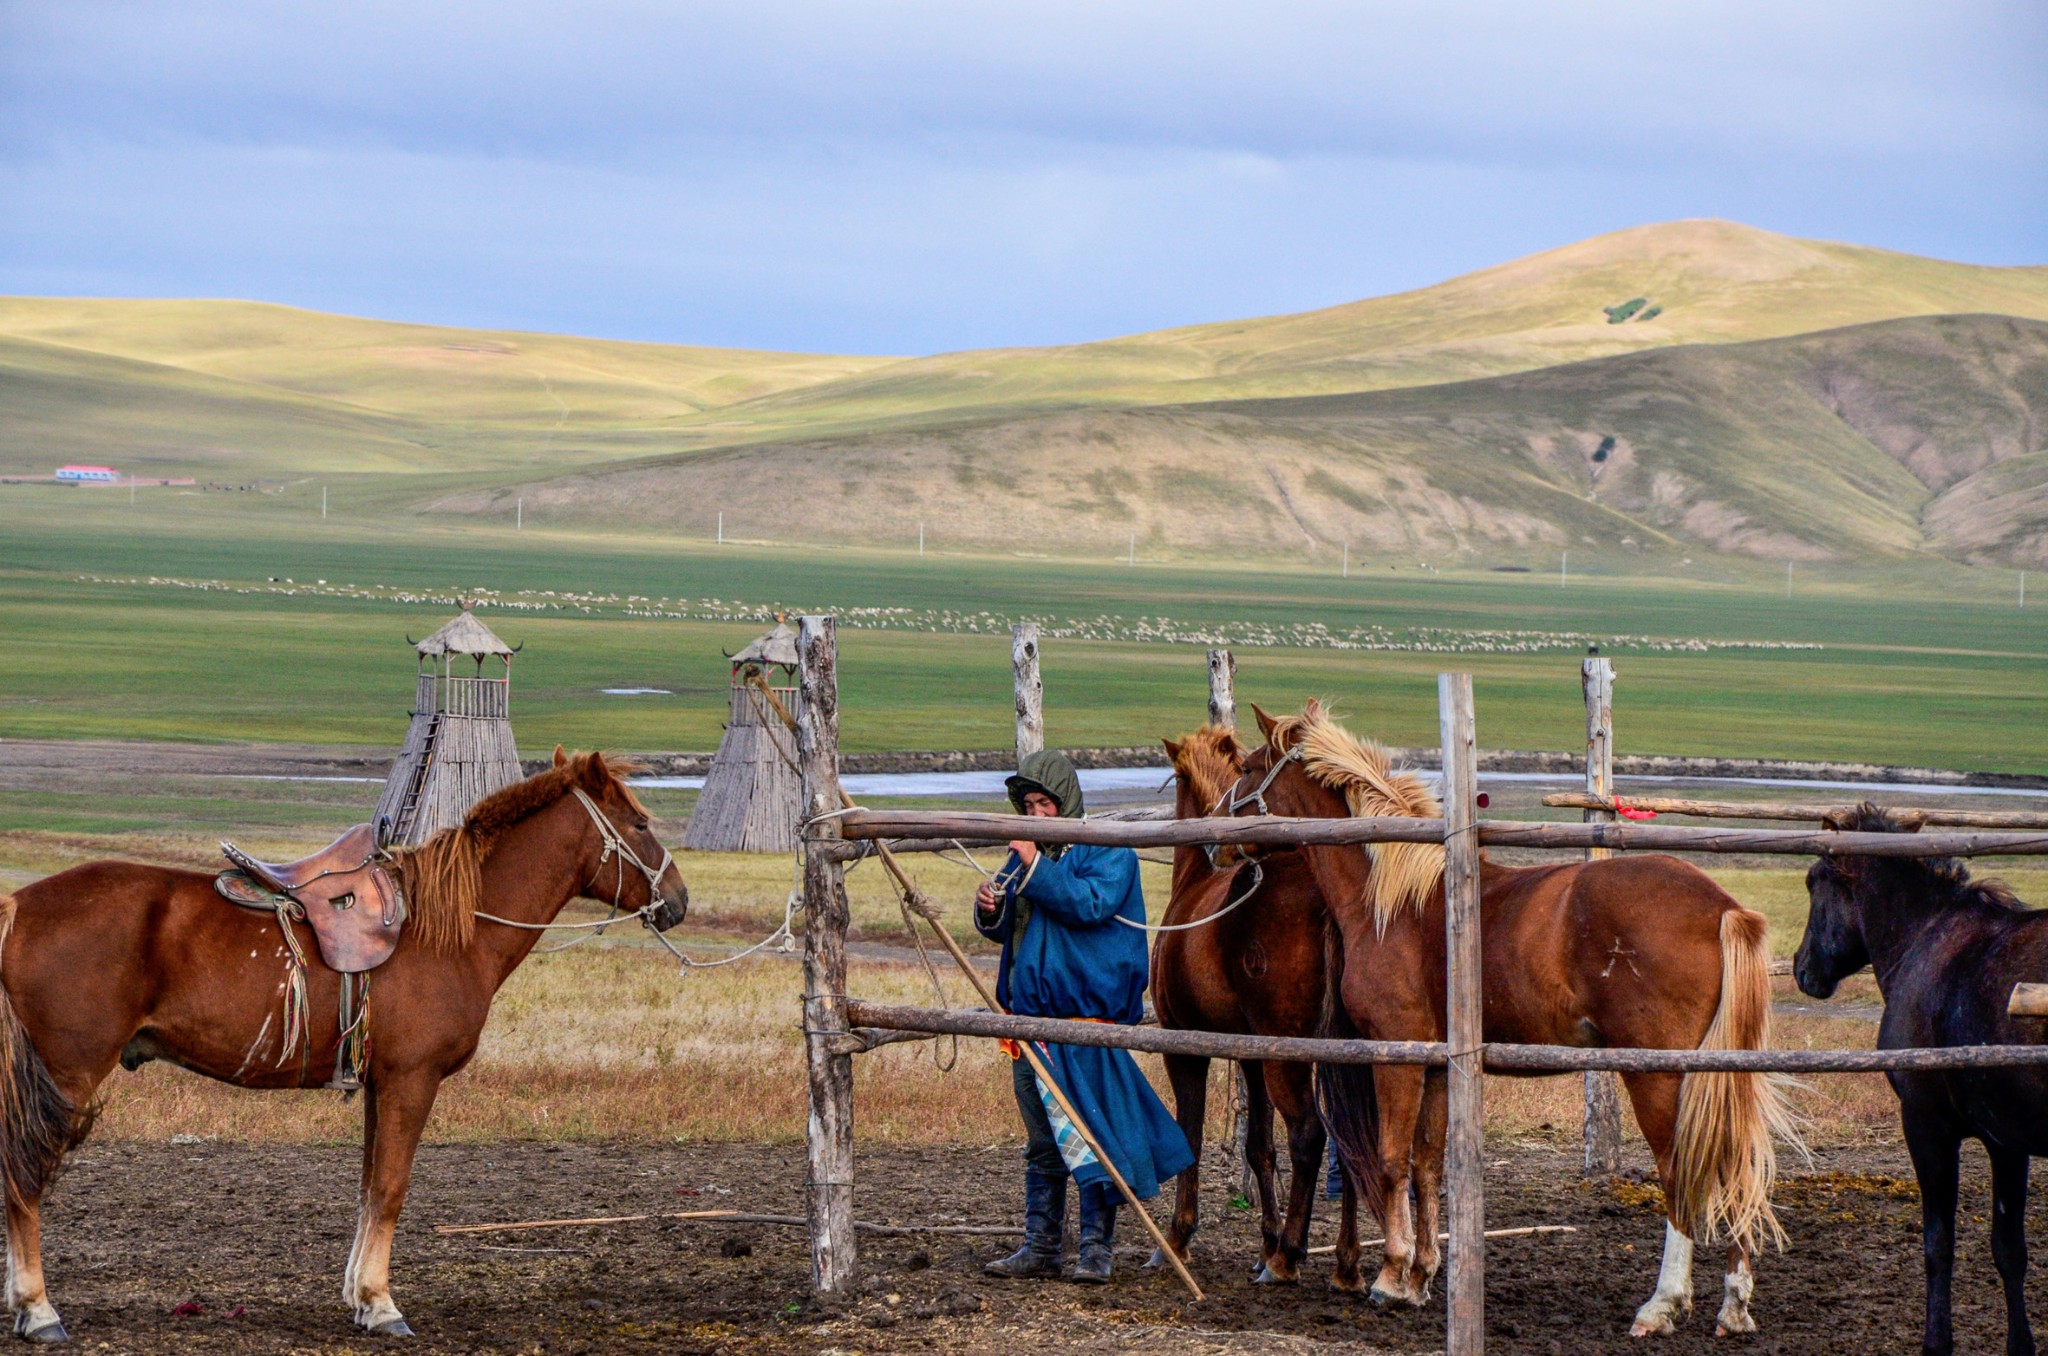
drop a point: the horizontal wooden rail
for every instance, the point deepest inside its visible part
(1280, 831)
(1812, 812)
(1496, 1057)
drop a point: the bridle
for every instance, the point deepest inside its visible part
(615, 844)
(1257, 797)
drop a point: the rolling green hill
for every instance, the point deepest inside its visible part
(1671, 389)
(1883, 439)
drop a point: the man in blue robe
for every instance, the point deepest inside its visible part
(1071, 923)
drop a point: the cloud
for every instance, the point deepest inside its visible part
(912, 176)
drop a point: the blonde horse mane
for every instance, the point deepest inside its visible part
(444, 875)
(1404, 875)
(1210, 760)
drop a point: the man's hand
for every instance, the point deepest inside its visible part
(1027, 852)
(985, 898)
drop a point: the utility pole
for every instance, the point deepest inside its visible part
(1788, 579)
(1347, 560)
(721, 527)
(1132, 558)
(323, 503)
(2023, 588)
(920, 539)
(1563, 563)
(519, 516)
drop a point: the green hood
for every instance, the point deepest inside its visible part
(1050, 772)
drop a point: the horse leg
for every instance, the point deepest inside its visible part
(1189, 1075)
(34, 1316)
(1292, 1091)
(1736, 1288)
(1429, 1174)
(1258, 1152)
(1936, 1154)
(2009, 1244)
(1349, 1276)
(395, 1113)
(1654, 1099)
(1399, 1091)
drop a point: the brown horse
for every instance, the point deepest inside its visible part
(1642, 952)
(1259, 967)
(115, 962)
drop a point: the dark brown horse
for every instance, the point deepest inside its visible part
(1629, 951)
(119, 963)
(1258, 968)
(1947, 951)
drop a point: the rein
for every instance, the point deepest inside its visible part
(614, 843)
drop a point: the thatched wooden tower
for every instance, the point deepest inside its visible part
(459, 747)
(752, 795)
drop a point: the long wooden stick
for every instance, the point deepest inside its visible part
(1797, 811)
(1280, 831)
(726, 1217)
(1045, 1076)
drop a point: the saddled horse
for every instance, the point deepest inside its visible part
(1641, 951)
(1947, 951)
(120, 963)
(1243, 950)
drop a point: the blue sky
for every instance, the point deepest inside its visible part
(915, 177)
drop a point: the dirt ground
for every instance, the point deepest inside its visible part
(139, 1234)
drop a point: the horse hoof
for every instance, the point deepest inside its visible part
(1384, 1299)
(391, 1327)
(1663, 1328)
(49, 1332)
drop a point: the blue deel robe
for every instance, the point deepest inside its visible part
(1064, 955)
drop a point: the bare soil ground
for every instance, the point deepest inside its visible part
(255, 1238)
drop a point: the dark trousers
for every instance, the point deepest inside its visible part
(1041, 1150)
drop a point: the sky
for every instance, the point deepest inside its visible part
(909, 177)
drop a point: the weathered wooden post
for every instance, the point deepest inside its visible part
(1222, 690)
(1030, 691)
(1601, 1140)
(1465, 1147)
(1223, 711)
(829, 1134)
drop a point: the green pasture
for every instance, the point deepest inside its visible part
(1921, 664)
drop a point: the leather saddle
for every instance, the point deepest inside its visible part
(343, 892)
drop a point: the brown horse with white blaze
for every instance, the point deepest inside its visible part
(121, 963)
(1643, 951)
(1247, 947)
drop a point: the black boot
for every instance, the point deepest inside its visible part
(1098, 1234)
(1045, 1215)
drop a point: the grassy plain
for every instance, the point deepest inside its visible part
(1923, 664)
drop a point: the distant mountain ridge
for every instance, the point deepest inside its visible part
(1685, 387)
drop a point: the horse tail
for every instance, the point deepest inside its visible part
(1344, 1092)
(1724, 1152)
(38, 1123)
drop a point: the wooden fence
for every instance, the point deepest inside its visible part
(838, 1026)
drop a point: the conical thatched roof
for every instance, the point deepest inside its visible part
(777, 647)
(463, 634)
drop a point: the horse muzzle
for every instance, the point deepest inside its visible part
(672, 910)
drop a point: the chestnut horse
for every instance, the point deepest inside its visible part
(1641, 951)
(1258, 968)
(116, 962)
(1947, 951)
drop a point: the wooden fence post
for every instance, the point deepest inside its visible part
(1222, 689)
(1601, 1139)
(1030, 691)
(829, 1133)
(1223, 711)
(1465, 1147)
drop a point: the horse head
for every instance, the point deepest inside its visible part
(1833, 946)
(632, 869)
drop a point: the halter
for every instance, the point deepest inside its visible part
(615, 842)
(1258, 795)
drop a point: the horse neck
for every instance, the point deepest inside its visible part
(1190, 863)
(1895, 917)
(529, 875)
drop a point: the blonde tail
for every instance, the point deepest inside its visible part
(1724, 1153)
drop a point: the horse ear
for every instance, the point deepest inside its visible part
(1172, 751)
(595, 770)
(1266, 722)
(561, 758)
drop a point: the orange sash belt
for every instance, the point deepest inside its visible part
(1016, 1051)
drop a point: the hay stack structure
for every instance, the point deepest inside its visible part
(753, 795)
(459, 746)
